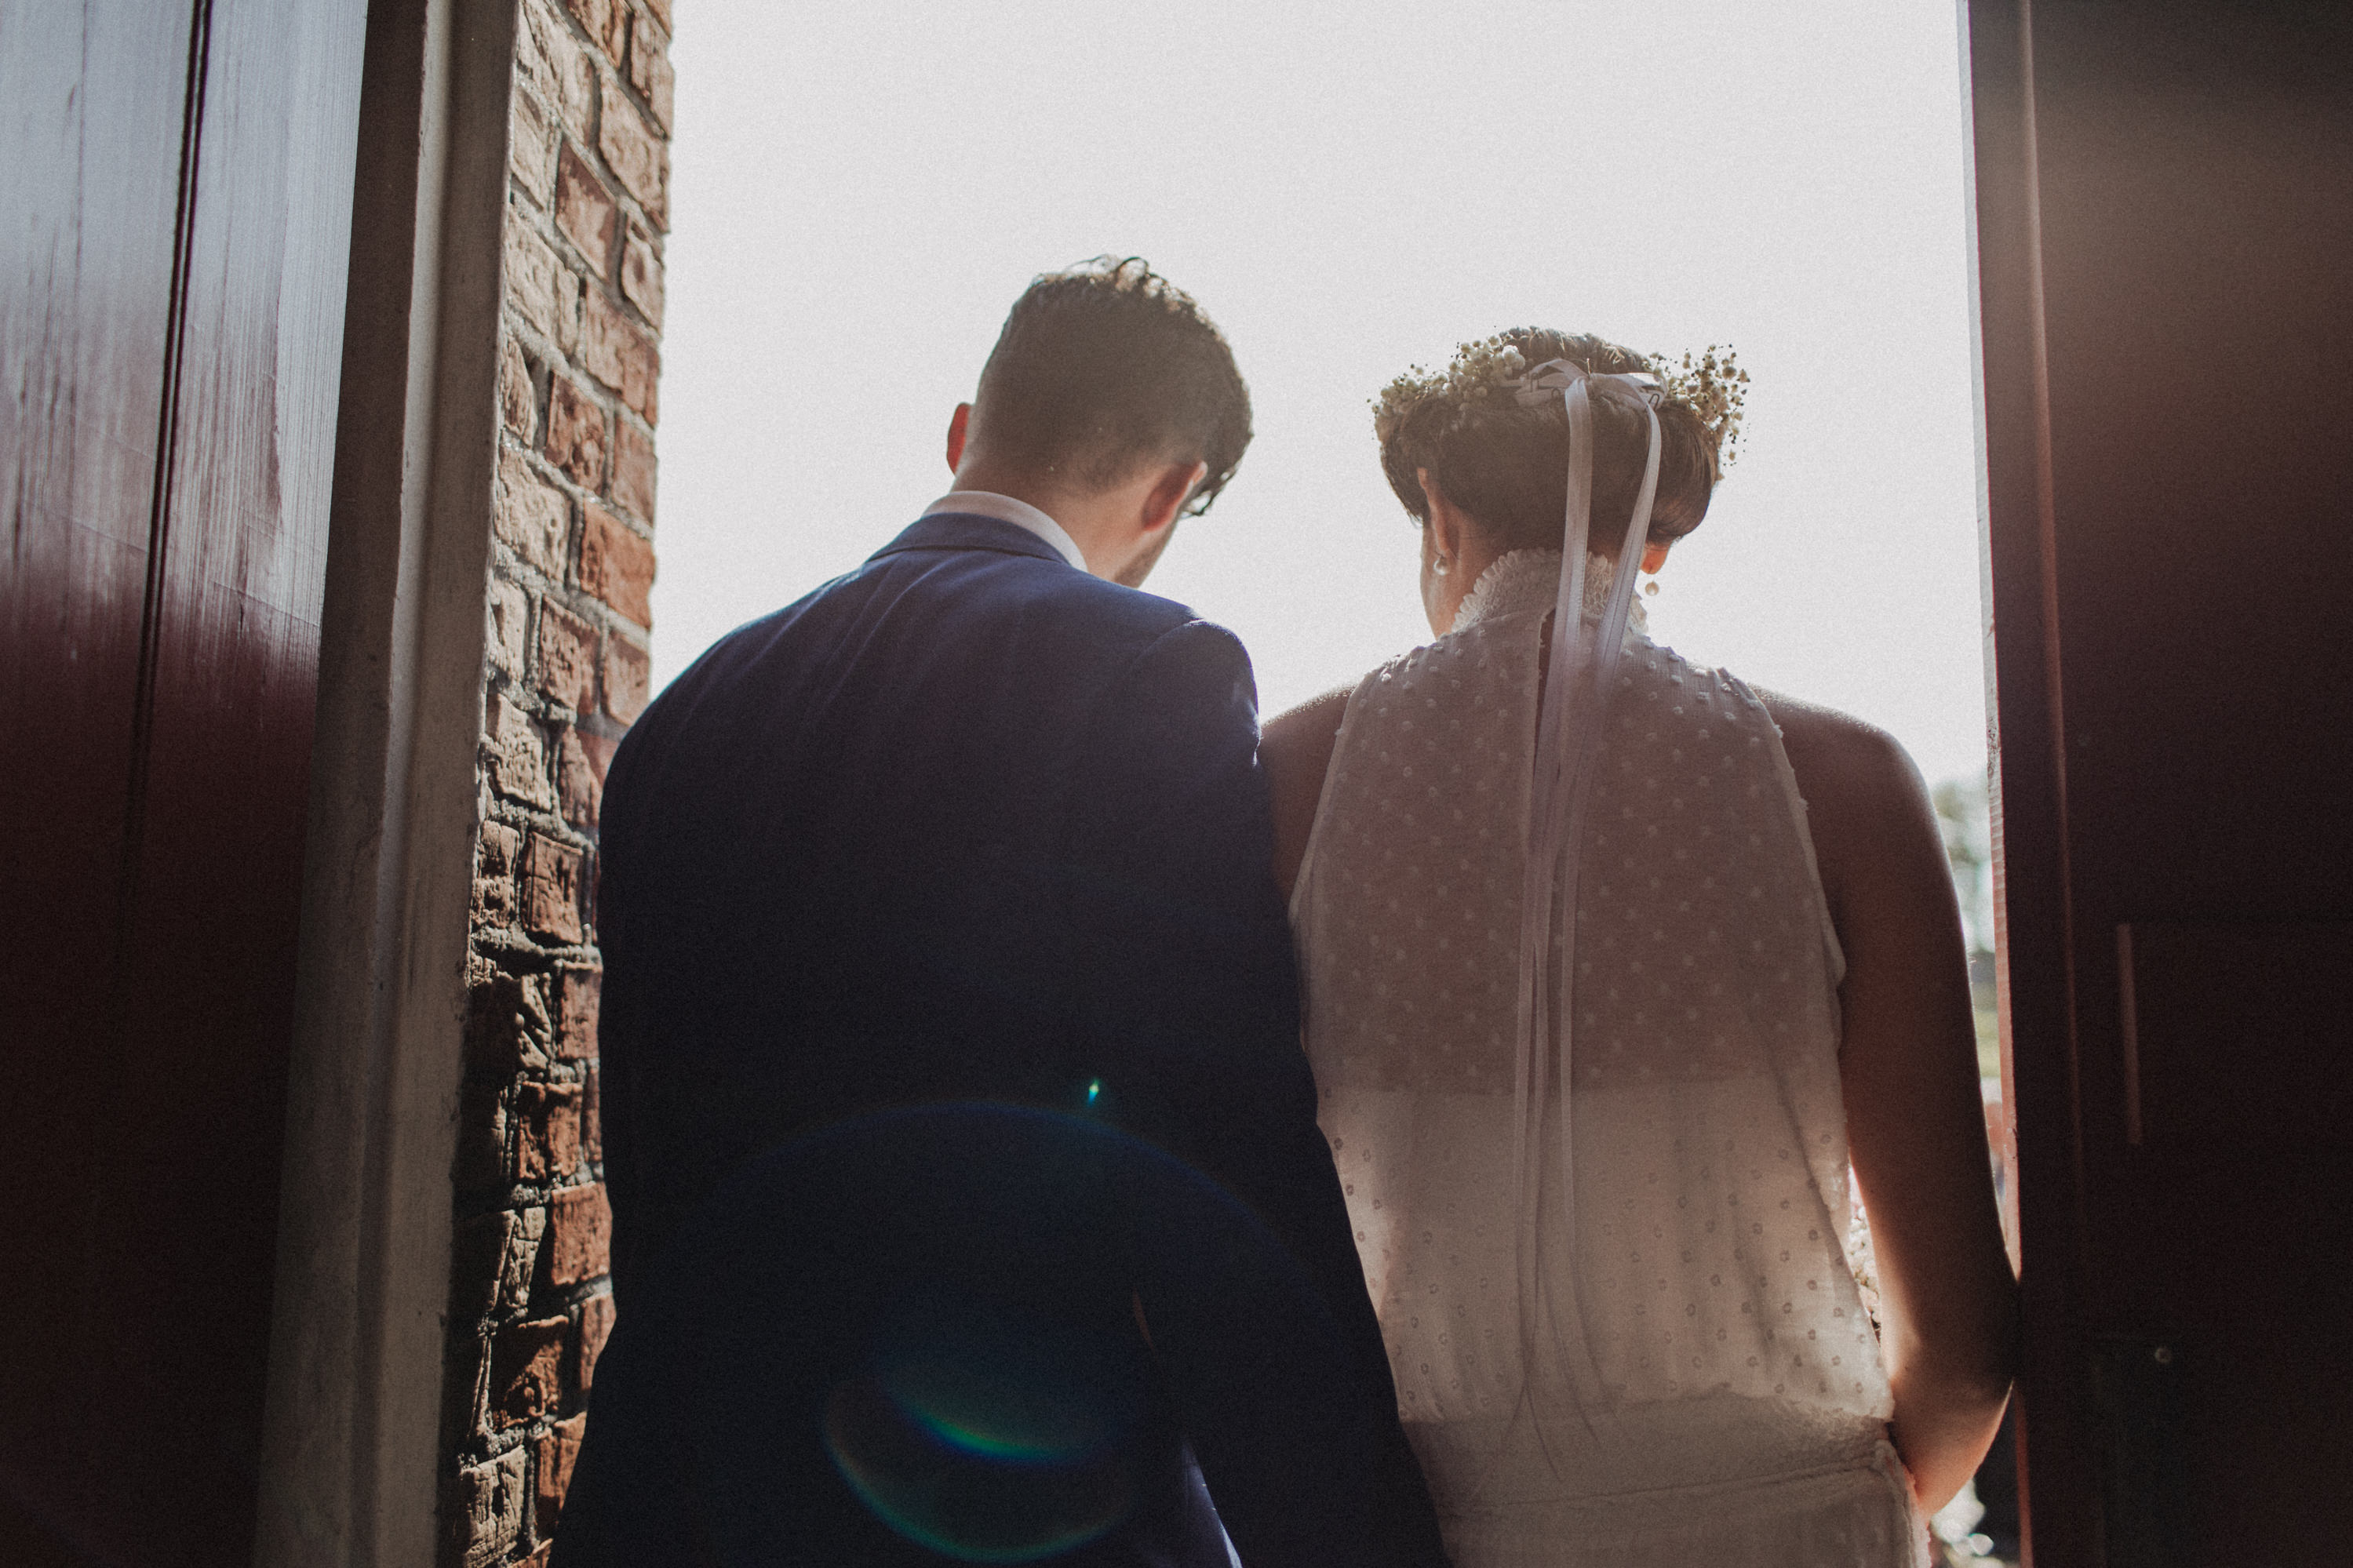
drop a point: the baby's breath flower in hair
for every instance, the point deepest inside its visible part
(1712, 386)
(1497, 446)
(1475, 375)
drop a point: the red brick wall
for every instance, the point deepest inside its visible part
(572, 513)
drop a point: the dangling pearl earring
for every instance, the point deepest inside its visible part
(1441, 565)
(1651, 589)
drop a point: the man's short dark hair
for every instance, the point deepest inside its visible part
(1106, 366)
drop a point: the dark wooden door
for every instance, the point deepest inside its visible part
(2165, 206)
(176, 181)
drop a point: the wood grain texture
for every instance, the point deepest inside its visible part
(2164, 201)
(169, 523)
(95, 97)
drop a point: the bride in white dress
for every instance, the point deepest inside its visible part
(1632, 1336)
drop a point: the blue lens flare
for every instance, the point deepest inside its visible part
(995, 1413)
(988, 1436)
(923, 1320)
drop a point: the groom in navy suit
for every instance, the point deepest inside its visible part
(969, 1203)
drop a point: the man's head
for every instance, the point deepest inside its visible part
(1110, 403)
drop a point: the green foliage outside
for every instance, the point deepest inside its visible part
(1963, 817)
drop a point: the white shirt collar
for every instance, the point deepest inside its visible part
(1020, 513)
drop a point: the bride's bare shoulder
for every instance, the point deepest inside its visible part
(1306, 733)
(1296, 750)
(1863, 796)
(1839, 745)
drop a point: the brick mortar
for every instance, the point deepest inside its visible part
(565, 672)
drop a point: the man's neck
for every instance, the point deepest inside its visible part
(1083, 516)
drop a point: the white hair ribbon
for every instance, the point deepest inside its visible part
(1568, 734)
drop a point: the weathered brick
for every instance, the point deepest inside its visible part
(617, 565)
(577, 391)
(633, 470)
(533, 516)
(530, 148)
(550, 889)
(639, 157)
(617, 354)
(606, 23)
(575, 434)
(578, 994)
(600, 750)
(579, 791)
(478, 1250)
(493, 1256)
(605, 339)
(628, 675)
(510, 611)
(495, 881)
(568, 657)
(527, 1370)
(579, 1235)
(544, 291)
(649, 69)
(524, 1240)
(488, 1514)
(508, 1027)
(547, 1131)
(596, 1325)
(518, 399)
(585, 210)
(642, 275)
(557, 1452)
(476, 1265)
(482, 1162)
(554, 65)
(466, 1376)
(592, 1113)
(516, 752)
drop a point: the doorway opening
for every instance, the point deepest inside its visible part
(1349, 192)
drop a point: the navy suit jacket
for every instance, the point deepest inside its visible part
(962, 1151)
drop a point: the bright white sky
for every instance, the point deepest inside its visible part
(861, 191)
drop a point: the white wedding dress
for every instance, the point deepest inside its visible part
(1693, 1382)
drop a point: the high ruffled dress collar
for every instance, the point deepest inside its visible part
(1526, 582)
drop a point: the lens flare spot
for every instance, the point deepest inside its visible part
(997, 1411)
(988, 1437)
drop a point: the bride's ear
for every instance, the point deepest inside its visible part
(1654, 554)
(1445, 521)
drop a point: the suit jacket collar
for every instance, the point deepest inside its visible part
(968, 531)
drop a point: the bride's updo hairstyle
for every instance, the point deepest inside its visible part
(1505, 463)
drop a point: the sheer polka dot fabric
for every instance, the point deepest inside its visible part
(1705, 1255)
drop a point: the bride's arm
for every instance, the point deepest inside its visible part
(1296, 751)
(1916, 1123)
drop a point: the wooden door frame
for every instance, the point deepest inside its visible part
(2026, 726)
(351, 1443)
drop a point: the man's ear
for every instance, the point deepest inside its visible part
(1169, 493)
(959, 423)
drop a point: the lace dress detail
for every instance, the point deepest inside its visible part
(1701, 1383)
